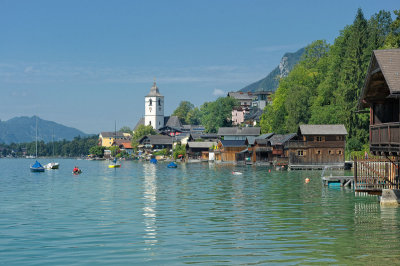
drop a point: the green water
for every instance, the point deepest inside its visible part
(146, 214)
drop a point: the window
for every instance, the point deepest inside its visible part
(150, 102)
(339, 137)
(318, 138)
(318, 152)
(330, 152)
(339, 152)
(150, 123)
(300, 153)
(159, 102)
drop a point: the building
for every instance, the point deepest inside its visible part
(317, 146)
(107, 139)
(238, 133)
(261, 99)
(381, 94)
(227, 149)
(199, 150)
(154, 108)
(156, 142)
(244, 98)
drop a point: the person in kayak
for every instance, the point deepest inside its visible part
(76, 170)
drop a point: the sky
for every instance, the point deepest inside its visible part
(87, 64)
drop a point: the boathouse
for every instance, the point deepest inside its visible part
(196, 150)
(317, 146)
(227, 149)
(381, 94)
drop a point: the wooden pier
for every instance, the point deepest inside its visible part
(344, 181)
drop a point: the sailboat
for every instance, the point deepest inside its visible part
(36, 167)
(115, 164)
(52, 165)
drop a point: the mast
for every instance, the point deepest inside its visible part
(36, 137)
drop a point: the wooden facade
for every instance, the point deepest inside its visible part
(318, 145)
(227, 149)
(381, 94)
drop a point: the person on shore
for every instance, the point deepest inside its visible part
(365, 155)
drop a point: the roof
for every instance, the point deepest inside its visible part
(261, 141)
(389, 62)
(384, 66)
(241, 95)
(112, 134)
(251, 139)
(265, 136)
(157, 139)
(281, 139)
(140, 122)
(174, 122)
(233, 143)
(196, 144)
(154, 91)
(323, 129)
(239, 131)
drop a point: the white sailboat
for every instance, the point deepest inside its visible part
(52, 165)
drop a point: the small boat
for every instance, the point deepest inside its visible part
(52, 166)
(172, 165)
(153, 161)
(236, 173)
(37, 167)
(114, 166)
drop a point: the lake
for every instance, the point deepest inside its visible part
(196, 214)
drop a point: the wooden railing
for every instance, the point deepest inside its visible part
(385, 137)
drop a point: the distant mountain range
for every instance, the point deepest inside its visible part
(23, 129)
(271, 81)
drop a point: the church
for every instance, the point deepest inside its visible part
(154, 111)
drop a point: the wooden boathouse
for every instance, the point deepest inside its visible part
(381, 94)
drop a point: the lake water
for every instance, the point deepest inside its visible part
(196, 214)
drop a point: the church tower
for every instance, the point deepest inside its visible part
(154, 108)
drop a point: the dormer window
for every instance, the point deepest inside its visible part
(150, 102)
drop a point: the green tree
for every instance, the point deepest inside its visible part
(182, 110)
(217, 114)
(98, 151)
(140, 132)
(125, 129)
(393, 38)
(179, 150)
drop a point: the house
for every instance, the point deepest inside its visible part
(107, 139)
(156, 142)
(238, 115)
(381, 94)
(227, 149)
(244, 98)
(199, 150)
(238, 133)
(317, 146)
(261, 99)
(124, 145)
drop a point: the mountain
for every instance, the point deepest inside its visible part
(271, 82)
(23, 129)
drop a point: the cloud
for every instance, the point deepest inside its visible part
(219, 92)
(28, 69)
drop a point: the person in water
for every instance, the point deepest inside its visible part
(76, 170)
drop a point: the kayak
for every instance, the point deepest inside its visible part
(114, 166)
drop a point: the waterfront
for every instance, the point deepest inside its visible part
(198, 213)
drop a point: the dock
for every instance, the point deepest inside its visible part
(344, 181)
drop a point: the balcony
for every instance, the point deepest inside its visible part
(385, 138)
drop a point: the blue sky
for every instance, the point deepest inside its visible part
(87, 63)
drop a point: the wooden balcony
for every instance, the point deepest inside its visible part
(385, 138)
(299, 144)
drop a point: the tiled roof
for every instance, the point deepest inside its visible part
(281, 139)
(174, 121)
(196, 144)
(323, 129)
(389, 62)
(241, 95)
(112, 134)
(239, 131)
(233, 143)
(265, 136)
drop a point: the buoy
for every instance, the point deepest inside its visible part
(307, 180)
(269, 171)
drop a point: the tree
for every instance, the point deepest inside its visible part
(140, 132)
(179, 150)
(218, 113)
(193, 117)
(183, 110)
(125, 129)
(393, 38)
(98, 151)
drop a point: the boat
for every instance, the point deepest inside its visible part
(77, 172)
(115, 165)
(153, 161)
(236, 173)
(52, 166)
(172, 165)
(37, 167)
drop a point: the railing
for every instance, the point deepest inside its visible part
(385, 137)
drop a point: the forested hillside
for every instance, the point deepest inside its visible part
(323, 88)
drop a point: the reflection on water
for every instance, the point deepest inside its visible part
(195, 214)
(150, 203)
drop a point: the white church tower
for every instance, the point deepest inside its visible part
(154, 108)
